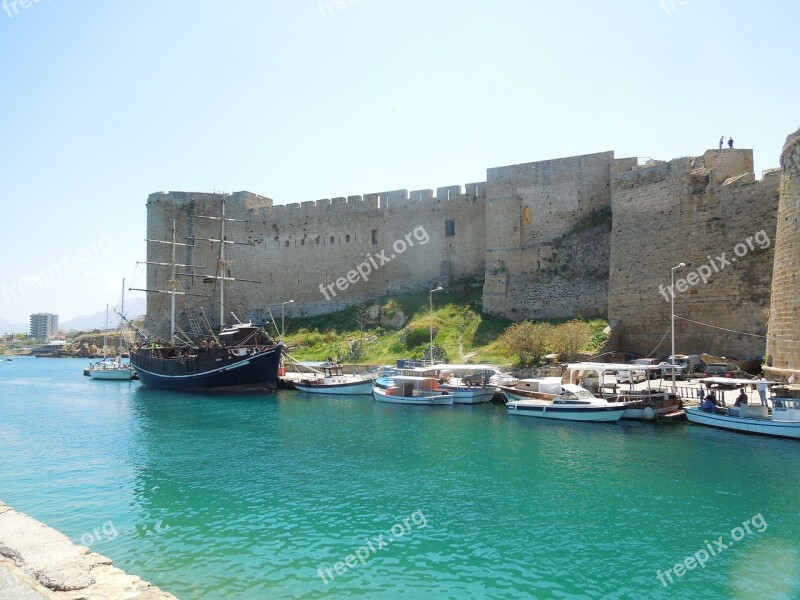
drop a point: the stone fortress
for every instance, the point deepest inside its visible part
(579, 236)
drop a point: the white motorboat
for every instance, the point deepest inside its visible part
(642, 404)
(333, 381)
(784, 420)
(544, 388)
(572, 403)
(409, 389)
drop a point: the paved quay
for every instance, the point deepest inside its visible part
(40, 563)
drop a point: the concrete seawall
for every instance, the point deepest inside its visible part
(40, 563)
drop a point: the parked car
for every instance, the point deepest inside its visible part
(728, 370)
(685, 366)
(648, 362)
(631, 375)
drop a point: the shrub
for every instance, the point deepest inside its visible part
(568, 338)
(417, 336)
(528, 340)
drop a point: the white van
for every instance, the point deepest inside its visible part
(631, 375)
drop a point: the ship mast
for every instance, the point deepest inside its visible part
(172, 284)
(222, 262)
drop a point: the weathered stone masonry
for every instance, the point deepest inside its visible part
(584, 235)
(783, 347)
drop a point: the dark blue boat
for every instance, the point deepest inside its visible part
(244, 360)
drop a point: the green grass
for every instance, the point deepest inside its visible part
(459, 327)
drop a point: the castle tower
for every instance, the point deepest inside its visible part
(783, 344)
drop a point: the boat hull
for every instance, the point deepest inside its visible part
(215, 370)
(381, 395)
(469, 395)
(786, 429)
(565, 413)
(122, 374)
(354, 388)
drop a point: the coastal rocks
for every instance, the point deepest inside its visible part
(57, 568)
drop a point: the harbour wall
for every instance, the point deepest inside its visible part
(38, 562)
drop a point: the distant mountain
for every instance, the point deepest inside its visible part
(84, 322)
(7, 326)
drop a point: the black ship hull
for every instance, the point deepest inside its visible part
(211, 369)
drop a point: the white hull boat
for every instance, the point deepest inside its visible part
(333, 381)
(412, 390)
(463, 394)
(354, 387)
(783, 422)
(112, 374)
(573, 403)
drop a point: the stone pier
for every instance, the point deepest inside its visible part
(40, 563)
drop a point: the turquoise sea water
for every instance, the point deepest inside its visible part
(215, 496)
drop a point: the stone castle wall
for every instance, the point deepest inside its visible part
(548, 238)
(324, 255)
(783, 345)
(681, 212)
(577, 236)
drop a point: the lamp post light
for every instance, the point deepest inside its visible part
(283, 306)
(672, 319)
(430, 300)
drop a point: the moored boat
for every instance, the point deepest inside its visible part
(334, 381)
(244, 360)
(111, 370)
(642, 404)
(782, 421)
(572, 403)
(409, 389)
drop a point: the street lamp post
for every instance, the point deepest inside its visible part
(430, 299)
(283, 306)
(672, 319)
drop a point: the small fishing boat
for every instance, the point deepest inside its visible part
(782, 421)
(409, 389)
(642, 404)
(333, 381)
(572, 403)
(544, 388)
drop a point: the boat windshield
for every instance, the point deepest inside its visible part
(584, 395)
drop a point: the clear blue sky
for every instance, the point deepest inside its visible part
(102, 103)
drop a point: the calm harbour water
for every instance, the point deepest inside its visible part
(247, 496)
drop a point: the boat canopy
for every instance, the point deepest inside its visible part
(735, 381)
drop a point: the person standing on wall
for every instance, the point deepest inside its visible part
(721, 141)
(730, 143)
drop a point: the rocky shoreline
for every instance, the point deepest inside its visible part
(38, 562)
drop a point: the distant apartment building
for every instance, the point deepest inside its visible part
(43, 326)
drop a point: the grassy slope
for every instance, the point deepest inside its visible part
(458, 325)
